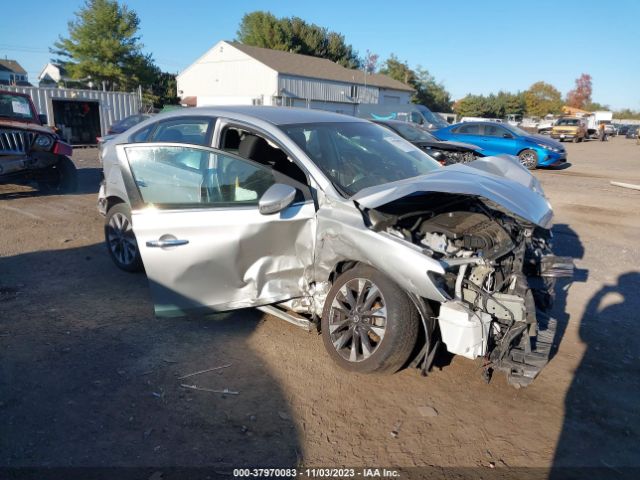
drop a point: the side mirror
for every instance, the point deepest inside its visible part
(277, 197)
(507, 135)
(43, 118)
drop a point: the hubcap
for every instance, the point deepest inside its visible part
(121, 240)
(357, 319)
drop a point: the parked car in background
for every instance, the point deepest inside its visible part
(496, 139)
(126, 123)
(120, 127)
(408, 113)
(544, 126)
(610, 130)
(632, 131)
(446, 153)
(622, 129)
(288, 210)
(31, 151)
(569, 128)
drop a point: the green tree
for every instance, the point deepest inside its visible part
(507, 103)
(627, 114)
(593, 106)
(104, 45)
(428, 91)
(541, 99)
(263, 29)
(431, 93)
(400, 71)
(475, 106)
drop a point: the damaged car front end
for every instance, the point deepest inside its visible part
(498, 268)
(29, 150)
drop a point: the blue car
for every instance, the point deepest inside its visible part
(497, 138)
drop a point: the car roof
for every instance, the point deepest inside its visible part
(477, 122)
(273, 115)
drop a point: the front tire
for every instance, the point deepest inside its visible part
(529, 159)
(120, 239)
(369, 324)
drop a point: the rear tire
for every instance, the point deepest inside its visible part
(529, 159)
(369, 324)
(120, 239)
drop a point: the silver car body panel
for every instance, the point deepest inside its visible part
(228, 258)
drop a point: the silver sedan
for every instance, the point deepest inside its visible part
(335, 223)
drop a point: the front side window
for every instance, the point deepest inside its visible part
(183, 176)
(357, 155)
(495, 131)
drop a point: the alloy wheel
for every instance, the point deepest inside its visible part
(358, 319)
(121, 239)
(528, 159)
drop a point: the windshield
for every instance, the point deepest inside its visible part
(360, 154)
(517, 131)
(15, 107)
(412, 132)
(433, 118)
(574, 122)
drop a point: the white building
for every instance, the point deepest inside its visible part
(51, 75)
(231, 73)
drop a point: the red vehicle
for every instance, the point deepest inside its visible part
(31, 151)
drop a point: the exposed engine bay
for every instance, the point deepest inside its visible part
(499, 279)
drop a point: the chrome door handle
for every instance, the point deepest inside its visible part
(169, 242)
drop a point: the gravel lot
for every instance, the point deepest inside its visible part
(89, 377)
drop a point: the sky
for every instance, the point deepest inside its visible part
(471, 46)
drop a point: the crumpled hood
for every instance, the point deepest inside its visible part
(500, 180)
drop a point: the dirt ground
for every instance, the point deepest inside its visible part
(90, 378)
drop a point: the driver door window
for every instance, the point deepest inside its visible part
(188, 177)
(495, 131)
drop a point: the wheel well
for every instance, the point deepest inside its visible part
(340, 268)
(111, 201)
(527, 148)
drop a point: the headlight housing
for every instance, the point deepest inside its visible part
(43, 142)
(549, 147)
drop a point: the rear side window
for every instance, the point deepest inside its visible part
(470, 129)
(196, 131)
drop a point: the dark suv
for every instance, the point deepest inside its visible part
(29, 150)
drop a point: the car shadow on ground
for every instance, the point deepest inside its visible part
(562, 166)
(601, 406)
(88, 182)
(90, 378)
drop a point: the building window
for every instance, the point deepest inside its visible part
(354, 91)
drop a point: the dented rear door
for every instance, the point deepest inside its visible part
(203, 242)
